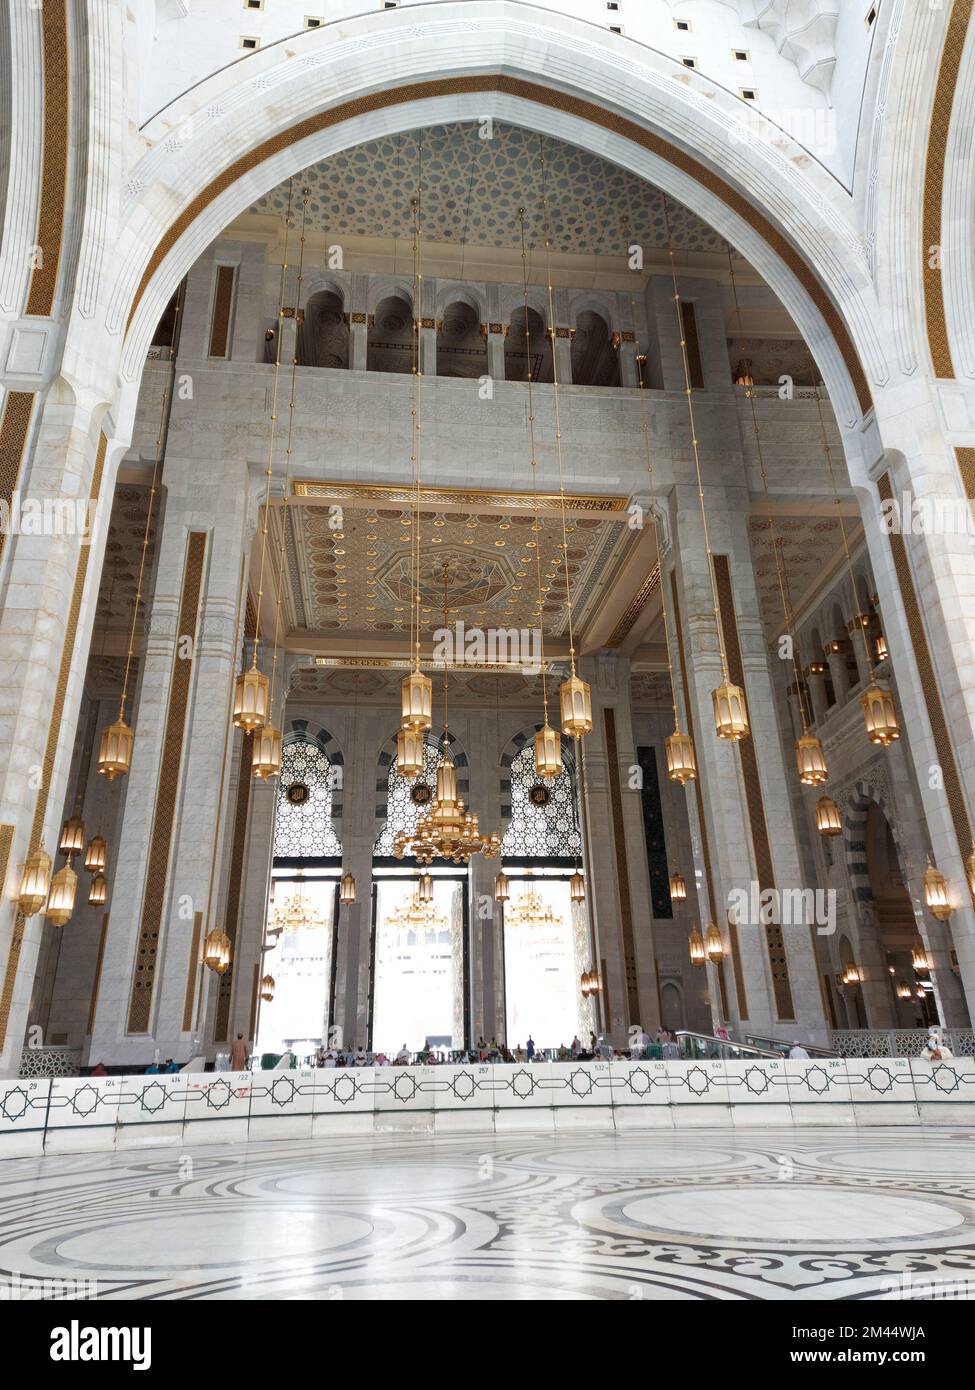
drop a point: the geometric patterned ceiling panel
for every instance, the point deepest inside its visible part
(356, 580)
(808, 548)
(473, 188)
(345, 686)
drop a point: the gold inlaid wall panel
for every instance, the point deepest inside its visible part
(774, 938)
(560, 101)
(14, 428)
(222, 311)
(634, 608)
(54, 162)
(932, 246)
(164, 817)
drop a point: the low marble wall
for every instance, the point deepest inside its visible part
(61, 1115)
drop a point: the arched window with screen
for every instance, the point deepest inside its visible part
(408, 797)
(543, 823)
(303, 828)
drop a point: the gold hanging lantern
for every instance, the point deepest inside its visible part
(35, 883)
(697, 948)
(72, 836)
(424, 889)
(713, 945)
(267, 988)
(548, 752)
(577, 888)
(681, 763)
(417, 701)
(936, 893)
(266, 752)
(575, 705)
(347, 890)
(879, 715)
(216, 951)
(115, 750)
(251, 698)
(98, 891)
(904, 991)
(811, 761)
(852, 975)
(60, 901)
(502, 887)
(678, 888)
(730, 715)
(880, 646)
(919, 961)
(96, 855)
(409, 753)
(828, 820)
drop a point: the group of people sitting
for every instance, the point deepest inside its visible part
(664, 1046)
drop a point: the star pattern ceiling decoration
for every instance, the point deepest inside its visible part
(473, 188)
(356, 580)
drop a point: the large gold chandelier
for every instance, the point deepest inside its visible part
(447, 830)
(530, 910)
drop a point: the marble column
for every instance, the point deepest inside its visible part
(153, 991)
(626, 348)
(495, 334)
(562, 348)
(747, 807)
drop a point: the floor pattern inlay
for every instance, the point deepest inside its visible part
(760, 1214)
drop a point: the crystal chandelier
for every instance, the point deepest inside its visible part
(447, 831)
(416, 915)
(531, 911)
(295, 915)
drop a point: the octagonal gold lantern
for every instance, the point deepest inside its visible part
(697, 948)
(72, 836)
(678, 888)
(681, 763)
(575, 706)
(811, 761)
(409, 753)
(266, 752)
(347, 890)
(96, 855)
(251, 698)
(98, 891)
(713, 945)
(60, 901)
(828, 820)
(115, 750)
(730, 715)
(548, 752)
(35, 883)
(880, 715)
(502, 887)
(936, 893)
(267, 988)
(577, 888)
(417, 701)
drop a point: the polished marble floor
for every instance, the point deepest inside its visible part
(749, 1214)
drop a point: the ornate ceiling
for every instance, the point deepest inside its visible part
(349, 570)
(474, 186)
(343, 685)
(809, 548)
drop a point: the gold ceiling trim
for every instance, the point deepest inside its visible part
(635, 607)
(455, 496)
(559, 101)
(405, 663)
(934, 177)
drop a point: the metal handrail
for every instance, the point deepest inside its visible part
(695, 1045)
(781, 1047)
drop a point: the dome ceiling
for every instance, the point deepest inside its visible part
(474, 186)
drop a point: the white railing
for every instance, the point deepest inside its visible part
(898, 1042)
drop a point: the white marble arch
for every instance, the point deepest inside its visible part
(224, 118)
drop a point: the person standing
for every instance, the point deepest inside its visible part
(238, 1054)
(530, 1048)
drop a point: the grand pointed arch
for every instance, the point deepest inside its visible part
(230, 139)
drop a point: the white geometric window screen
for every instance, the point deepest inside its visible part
(303, 827)
(541, 829)
(403, 808)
